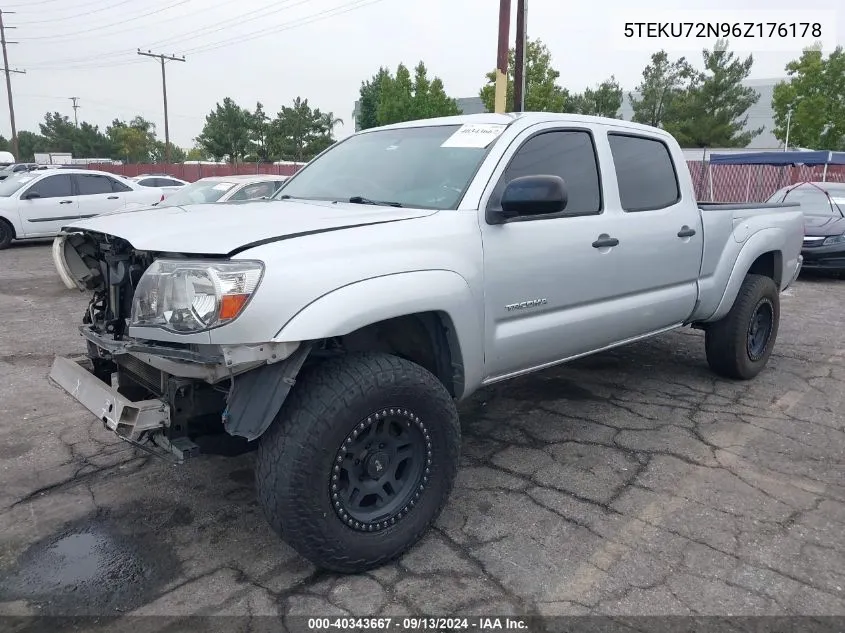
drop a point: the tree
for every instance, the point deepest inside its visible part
(605, 100)
(299, 132)
(370, 97)
(388, 98)
(663, 81)
(260, 129)
(85, 141)
(58, 131)
(712, 112)
(29, 144)
(815, 94)
(227, 132)
(134, 142)
(542, 94)
(197, 153)
(158, 154)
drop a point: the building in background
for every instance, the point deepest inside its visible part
(759, 115)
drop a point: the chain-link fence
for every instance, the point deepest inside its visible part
(754, 183)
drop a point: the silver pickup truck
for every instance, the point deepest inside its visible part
(336, 326)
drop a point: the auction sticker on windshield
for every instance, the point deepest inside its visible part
(478, 135)
(223, 186)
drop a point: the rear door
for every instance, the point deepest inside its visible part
(47, 204)
(659, 231)
(96, 195)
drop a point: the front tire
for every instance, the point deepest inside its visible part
(360, 460)
(739, 345)
(7, 234)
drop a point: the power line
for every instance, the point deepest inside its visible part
(78, 15)
(322, 15)
(284, 26)
(8, 72)
(105, 26)
(180, 37)
(162, 58)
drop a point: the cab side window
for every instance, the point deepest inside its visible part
(645, 173)
(569, 154)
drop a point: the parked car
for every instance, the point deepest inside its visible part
(36, 204)
(823, 205)
(405, 267)
(225, 189)
(164, 182)
(15, 168)
(206, 190)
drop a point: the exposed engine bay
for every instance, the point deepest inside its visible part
(207, 393)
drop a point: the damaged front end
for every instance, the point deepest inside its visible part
(172, 398)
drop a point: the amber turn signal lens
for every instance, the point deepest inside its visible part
(231, 305)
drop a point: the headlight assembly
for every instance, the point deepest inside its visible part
(191, 296)
(834, 239)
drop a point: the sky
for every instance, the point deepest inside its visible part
(275, 50)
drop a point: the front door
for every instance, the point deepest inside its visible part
(546, 284)
(47, 205)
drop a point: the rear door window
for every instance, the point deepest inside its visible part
(92, 184)
(645, 173)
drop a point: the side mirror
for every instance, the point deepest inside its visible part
(31, 195)
(532, 195)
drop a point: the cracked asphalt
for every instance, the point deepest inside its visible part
(629, 483)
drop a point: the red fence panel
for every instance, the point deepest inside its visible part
(753, 183)
(193, 172)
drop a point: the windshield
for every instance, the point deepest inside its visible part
(812, 199)
(14, 182)
(199, 192)
(425, 167)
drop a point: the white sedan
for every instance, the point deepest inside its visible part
(37, 204)
(161, 181)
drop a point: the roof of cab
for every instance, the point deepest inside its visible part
(524, 118)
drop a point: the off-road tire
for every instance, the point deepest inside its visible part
(726, 341)
(296, 457)
(7, 234)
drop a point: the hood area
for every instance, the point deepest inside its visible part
(823, 225)
(224, 229)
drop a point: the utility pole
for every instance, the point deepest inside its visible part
(519, 61)
(75, 108)
(8, 72)
(502, 56)
(162, 59)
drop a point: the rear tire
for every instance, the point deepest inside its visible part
(7, 234)
(739, 345)
(369, 422)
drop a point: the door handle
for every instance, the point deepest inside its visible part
(686, 231)
(605, 241)
(66, 202)
(113, 198)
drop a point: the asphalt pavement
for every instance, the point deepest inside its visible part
(629, 483)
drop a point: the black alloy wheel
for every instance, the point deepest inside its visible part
(381, 470)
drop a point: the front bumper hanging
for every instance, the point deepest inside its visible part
(142, 423)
